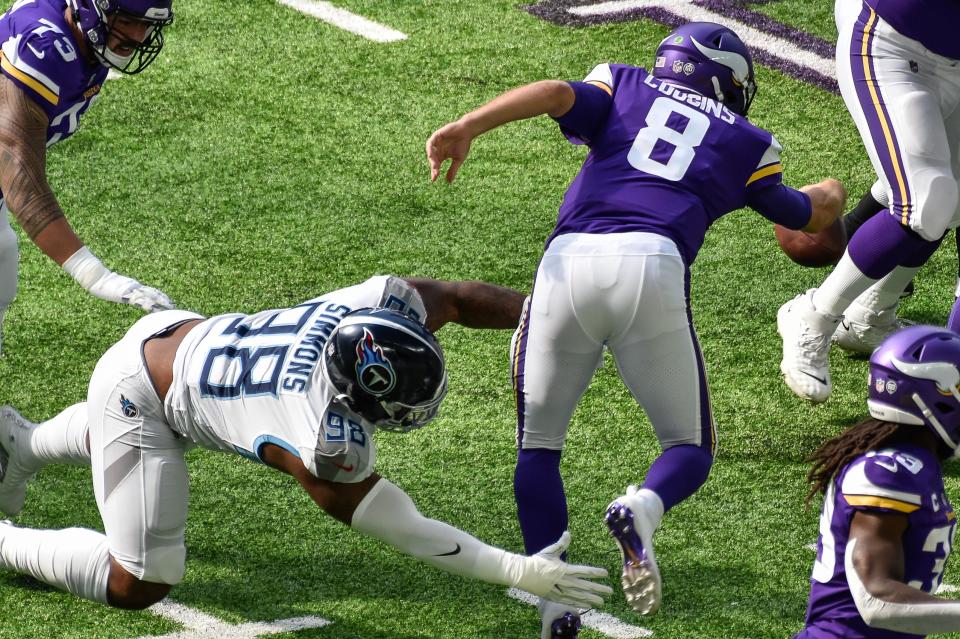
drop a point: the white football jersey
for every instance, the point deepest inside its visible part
(242, 381)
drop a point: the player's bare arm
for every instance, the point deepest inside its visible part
(470, 303)
(452, 141)
(876, 580)
(23, 127)
(827, 199)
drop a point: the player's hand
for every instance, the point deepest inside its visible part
(450, 142)
(828, 199)
(91, 274)
(546, 575)
(114, 287)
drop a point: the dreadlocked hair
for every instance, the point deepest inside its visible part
(835, 453)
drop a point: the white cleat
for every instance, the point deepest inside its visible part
(17, 464)
(864, 332)
(806, 348)
(633, 532)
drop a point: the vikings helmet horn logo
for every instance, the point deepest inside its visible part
(374, 371)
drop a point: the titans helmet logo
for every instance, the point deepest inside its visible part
(374, 371)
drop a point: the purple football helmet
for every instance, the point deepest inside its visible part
(710, 59)
(95, 19)
(914, 379)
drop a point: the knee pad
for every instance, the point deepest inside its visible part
(936, 208)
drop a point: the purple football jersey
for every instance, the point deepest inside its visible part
(932, 23)
(664, 160)
(40, 55)
(906, 480)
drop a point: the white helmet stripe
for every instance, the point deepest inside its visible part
(944, 374)
(734, 61)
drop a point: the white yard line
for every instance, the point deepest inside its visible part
(199, 625)
(607, 625)
(753, 37)
(345, 20)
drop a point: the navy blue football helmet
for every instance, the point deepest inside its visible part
(387, 367)
(710, 59)
(96, 20)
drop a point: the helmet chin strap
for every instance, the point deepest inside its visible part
(936, 422)
(112, 58)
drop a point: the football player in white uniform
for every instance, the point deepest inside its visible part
(299, 389)
(898, 66)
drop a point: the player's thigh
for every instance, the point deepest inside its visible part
(667, 377)
(897, 105)
(553, 358)
(659, 357)
(139, 472)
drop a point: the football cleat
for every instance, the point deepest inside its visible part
(806, 348)
(633, 533)
(558, 621)
(865, 336)
(17, 465)
(566, 627)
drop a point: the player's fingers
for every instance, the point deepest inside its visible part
(590, 572)
(556, 549)
(455, 165)
(576, 598)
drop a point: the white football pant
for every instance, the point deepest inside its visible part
(904, 100)
(625, 291)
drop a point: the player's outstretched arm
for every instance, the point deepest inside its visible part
(23, 131)
(470, 303)
(874, 566)
(378, 508)
(452, 141)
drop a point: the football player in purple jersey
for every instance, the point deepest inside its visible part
(898, 67)
(302, 390)
(887, 526)
(55, 57)
(615, 273)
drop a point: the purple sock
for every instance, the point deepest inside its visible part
(954, 322)
(678, 472)
(882, 244)
(541, 502)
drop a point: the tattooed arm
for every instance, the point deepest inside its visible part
(23, 179)
(23, 155)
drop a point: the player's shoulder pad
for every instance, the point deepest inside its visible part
(886, 479)
(399, 295)
(43, 58)
(345, 449)
(601, 75)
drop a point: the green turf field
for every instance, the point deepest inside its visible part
(267, 157)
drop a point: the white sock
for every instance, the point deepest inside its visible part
(75, 559)
(885, 294)
(63, 439)
(841, 287)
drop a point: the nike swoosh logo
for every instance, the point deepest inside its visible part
(39, 54)
(822, 381)
(345, 469)
(455, 551)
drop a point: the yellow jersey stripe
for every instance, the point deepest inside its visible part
(602, 85)
(770, 169)
(47, 94)
(881, 502)
(872, 85)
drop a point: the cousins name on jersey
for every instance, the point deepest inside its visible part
(694, 99)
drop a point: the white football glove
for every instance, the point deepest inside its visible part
(100, 281)
(546, 575)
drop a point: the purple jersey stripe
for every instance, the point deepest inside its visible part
(708, 431)
(875, 111)
(518, 366)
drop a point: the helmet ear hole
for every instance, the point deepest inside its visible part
(944, 407)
